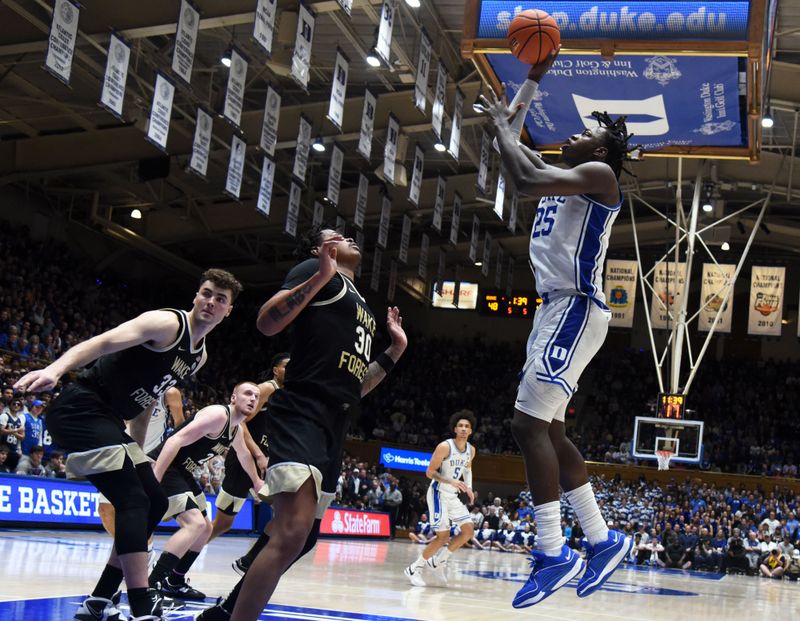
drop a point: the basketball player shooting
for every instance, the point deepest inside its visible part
(567, 250)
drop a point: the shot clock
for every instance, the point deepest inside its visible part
(498, 304)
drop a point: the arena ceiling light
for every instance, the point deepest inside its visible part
(725, 246)
(318, 145)
(439, 146)
(136, 214)
(767, 121)
(708, 207)
(373, 60)
(225, 59)
(414, 4)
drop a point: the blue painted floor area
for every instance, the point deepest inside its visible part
(63, 609)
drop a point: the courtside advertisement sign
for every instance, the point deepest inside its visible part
(398, 459)
(37, 500)
(347, 523)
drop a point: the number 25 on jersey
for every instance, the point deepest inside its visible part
(545, 220)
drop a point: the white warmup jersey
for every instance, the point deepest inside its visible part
(157, 427)
(568, 245)
(443, 503)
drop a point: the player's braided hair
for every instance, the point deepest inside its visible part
(616, 142)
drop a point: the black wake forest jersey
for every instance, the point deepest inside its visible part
(132, 379)
(332, 340)
(191, 458)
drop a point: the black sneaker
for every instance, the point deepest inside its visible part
(215, 613)
(241, 565)
(181, 590)
(155, 612)
(100, 609)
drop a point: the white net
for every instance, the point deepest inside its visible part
(663, 458)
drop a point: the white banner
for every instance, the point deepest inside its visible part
(116, 76)
(512, 217)
(717, 281)
(498, 272)
(335, 173)
(487, 254)
(383, 226)
(405, 239)
(161, 111)
(361, 201)
(264, 24)
(384, 43)
(438, 205)
(201, 145)
(347, 5)
(360, 244)
(375, 281)
(620, 291)
(234, 93)
(301, 57)
(424, 245)
(303, 145)
(455, 220)
(766, 300)
(269, 126)
(500, 196)
(265, 187)
(319, 214)
(668, 292)
(510, 279)
(437, 112)
(367, 125)
(390, 148)
(473, 242)
(455, 128)
(483, 169)
(390, 291)
(293, 209)
(338, 89)
(185, 41)
(423, 71)
(61, 42)
(440, 269)
(415, 187)
(233, 183)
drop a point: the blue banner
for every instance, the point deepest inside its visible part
(669, 100)
(38, 500)
(399, 459)
(646, 20)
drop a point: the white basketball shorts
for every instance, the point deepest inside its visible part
(444, 508)
(567, 333)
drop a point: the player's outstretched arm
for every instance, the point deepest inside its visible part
(377, 369)
(156, 327)
(208, 421)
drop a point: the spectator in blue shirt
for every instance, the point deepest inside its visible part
(792, 526)
(34, 427)
(524, 510)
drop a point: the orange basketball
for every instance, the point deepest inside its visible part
(532, 35)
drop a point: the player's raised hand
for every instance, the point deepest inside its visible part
(394, 324)
(327, 257)
(537, 72)
(497, 107)
(36, 381)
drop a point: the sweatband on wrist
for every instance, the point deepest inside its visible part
(385, 361)
(524, 96)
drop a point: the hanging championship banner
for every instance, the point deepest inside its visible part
(498, 272)
(438, 205)
(500, 196)
(367, 125)
(620, 290)
(116, 76)
(293, 209)
(301, 57)
(405, 239)
(201, 145)
(234, 93)
(185, 41)
(347, 6)
(303, 145)
(415, 187)
(338, 89)
(390, 149)
(375, 281)
(437, 112)
(233, 183)
(264, 24)
(269, 127)
(473, 242)
(61, 42)
(424, 244)
(440, 272)
(423, 70)
(319, 214)
(161, 111)
(510, 278)
(360, 244)
(361, 201)
(483, 169)
(383, 226)
(766, 300)
(341, 225)
(717, 281)
(512, 217)
(455, 221)
(392, 280)
(667, 294)
(265, 187)
(487, 254)
(455, 128)
(335, 173)
(384, 43)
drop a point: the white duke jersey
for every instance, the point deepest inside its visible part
(157, 427)
(453, 466)
(568, 245)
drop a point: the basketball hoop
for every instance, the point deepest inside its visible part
(663, 458)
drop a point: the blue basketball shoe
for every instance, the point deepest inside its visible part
(602, 560)
(548, 574)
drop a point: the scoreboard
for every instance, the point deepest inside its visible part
(518, 304)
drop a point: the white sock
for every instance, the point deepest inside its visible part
(548, 527)
(419, 563)
(444, 554)
(583, 503)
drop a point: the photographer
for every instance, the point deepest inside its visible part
(774, 566)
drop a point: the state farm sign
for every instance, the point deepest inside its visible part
(349, 523)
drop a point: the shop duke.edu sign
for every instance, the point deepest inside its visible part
(405, 460)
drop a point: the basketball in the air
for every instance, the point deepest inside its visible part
(532, 35)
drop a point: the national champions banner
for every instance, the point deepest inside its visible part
(766, 300)
(717, 281)
(620, 290)
(667, 292)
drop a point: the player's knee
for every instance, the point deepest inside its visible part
(527, 430)
(443, 535)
